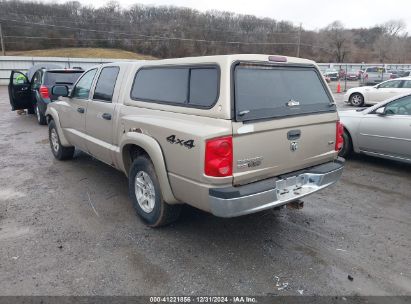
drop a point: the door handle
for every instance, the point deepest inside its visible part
(80, 110)
(106, 116)
(293, 134)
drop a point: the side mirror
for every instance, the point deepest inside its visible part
(380, 111)
(60, 90)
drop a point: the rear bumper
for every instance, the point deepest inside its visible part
(267, 194)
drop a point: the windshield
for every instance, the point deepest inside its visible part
(62, 77)
(263, 91)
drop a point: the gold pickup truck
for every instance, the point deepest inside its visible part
(230, 135)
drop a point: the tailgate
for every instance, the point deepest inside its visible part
(266, 149)
(285, 120)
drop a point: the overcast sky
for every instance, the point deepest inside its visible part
(313, 14)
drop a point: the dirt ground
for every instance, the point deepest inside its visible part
(68, 228)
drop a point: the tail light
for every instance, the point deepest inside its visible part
(339, 140)
(219, 157)
(44, 92)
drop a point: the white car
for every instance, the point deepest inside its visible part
(383, 130)
(380, 92)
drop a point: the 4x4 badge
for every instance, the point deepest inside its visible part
(294, 146)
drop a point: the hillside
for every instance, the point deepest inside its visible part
(82, 53)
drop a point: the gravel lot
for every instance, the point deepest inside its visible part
(53, 243)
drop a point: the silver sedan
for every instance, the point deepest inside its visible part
(383, 130)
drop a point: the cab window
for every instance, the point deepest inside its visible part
(83, 86)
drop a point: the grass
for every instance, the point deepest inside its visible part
(82, 53)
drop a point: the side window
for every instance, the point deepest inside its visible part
(83, 86)
(400, 106)
(19, 78)
(161, 84)
(105, 84)
(184, 85)
(203, 87)
(36, 81)
(406, 84)
(390, 84)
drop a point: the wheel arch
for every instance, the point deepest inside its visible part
(137, 144)
(52, 114)
(359, 93)
(352, 138)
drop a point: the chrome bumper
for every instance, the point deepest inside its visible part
(283, 191)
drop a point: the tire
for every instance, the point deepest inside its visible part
(41, 118)
(145, 193)
(357, 100)
(31, 110)
(59, 152)
(346, 149)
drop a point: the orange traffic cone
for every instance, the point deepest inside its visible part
(338, 87)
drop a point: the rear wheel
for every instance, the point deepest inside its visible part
(146, 196)
(357, 100)
(59, 152)
(41, 118)
(347, 145)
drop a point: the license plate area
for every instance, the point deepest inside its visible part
(290, 186)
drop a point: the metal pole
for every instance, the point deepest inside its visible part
(299, 40)
(3, 50)
(345, 82)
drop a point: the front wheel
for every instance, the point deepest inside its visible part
(59, 152)
(146, 196)
(357, 100)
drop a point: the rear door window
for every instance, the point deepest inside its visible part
(263, 91)
(105, 84)
(390, 84)
(407, 84)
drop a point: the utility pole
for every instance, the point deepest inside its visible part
(3, 50)
(299, 40)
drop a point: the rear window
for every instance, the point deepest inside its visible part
(62, 77)
(185, 86)
(263, 92)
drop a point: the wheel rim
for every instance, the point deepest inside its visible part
(38, 113)
(356, 100)
(145, 193)
(54, 140)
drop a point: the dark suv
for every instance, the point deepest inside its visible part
(35, 94)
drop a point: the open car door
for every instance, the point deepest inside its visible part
(19, 91)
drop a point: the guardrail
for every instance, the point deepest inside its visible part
(20, 63)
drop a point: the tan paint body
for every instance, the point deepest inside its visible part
(180, 170)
